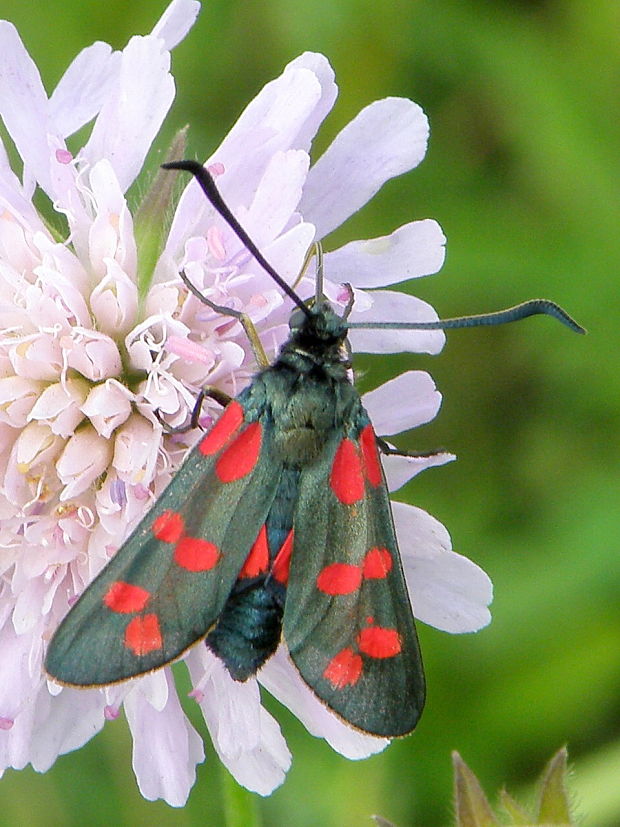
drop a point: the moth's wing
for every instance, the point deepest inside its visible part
(348, 621)
(168, 583)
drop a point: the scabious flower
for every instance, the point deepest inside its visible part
(94, 341)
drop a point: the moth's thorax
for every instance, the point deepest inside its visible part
(308, 387)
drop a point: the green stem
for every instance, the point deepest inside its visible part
(240, 806)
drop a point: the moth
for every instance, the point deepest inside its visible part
(277, 525)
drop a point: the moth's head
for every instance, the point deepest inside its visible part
(321, 325)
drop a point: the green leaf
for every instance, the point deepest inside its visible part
(150, 225)
(517, 813)
(470, 804)
(554, 806)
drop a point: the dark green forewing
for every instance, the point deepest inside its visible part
(348, 621)
(167, 585)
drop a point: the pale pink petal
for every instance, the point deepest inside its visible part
(413, 250)
(24, 105)
(35, 446)
(277, 196)
(83, 87)
(29, 466)
(18, 395)
(400, 469)
(17, 206)
(447, 590)
(107, 406)
(287, 252)
(130, 118)
(16, 738)
(272, 122)
(120, 505)
(111, 233)
(114, 301)
(246, 738)
(232, 707)
(59, 406)
(92, 354)
(37, 356)
(264, 768)
(63, 276)
(283, 681)
(135, 450)
(319, 66)
(365, 154)
(85, 456)
(409, 400)
(63, 723)
(176, 22)
(166, 747)
(390, 306)
(162, 299)
(17, 688)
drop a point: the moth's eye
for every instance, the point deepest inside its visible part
(296, 319)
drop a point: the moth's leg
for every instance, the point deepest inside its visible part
(315, 249)
(244, 321)
(350, 300)
(388, 450)
(208, 392)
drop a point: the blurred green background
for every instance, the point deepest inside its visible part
(522, 174)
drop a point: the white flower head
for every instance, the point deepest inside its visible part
(91, 348)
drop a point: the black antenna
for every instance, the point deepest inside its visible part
(205, 179)
(534, 307)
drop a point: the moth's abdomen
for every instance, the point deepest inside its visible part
(248, 631)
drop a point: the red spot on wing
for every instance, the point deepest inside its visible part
(379, 642)
(126, 598)
(229, 422)
(344, 669)
(377, 563)
(372, 464)
(195, 554)
(339, 578)
(346, 479)
(168, 527)
(282, 563)
(257, 560)
(143, 635)
(241, 456)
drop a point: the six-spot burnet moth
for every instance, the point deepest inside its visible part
(278, 524)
